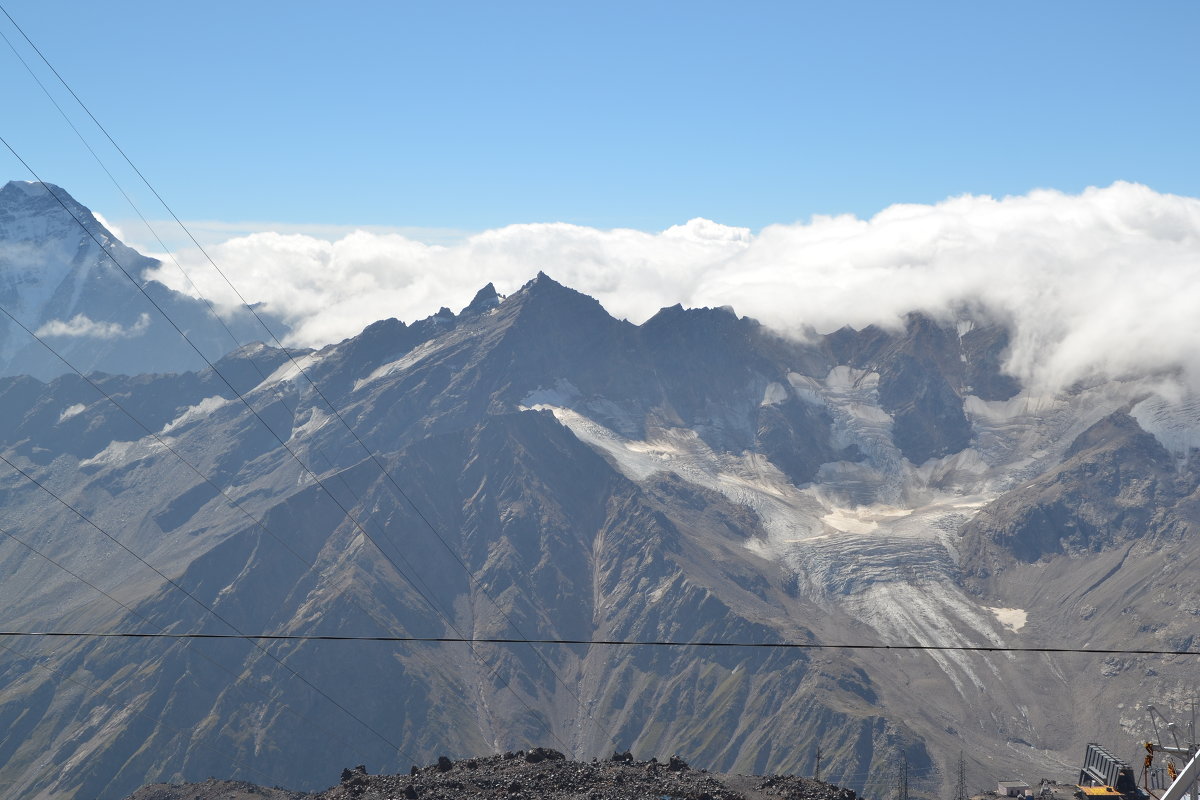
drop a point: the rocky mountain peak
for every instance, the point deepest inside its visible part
(544, 302)
(542, 285)
(1120, 432)
(16, 193)
(485, 299)
(31, 211)
(1116, 485)
(721, 315)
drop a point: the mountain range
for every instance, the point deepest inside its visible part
(807, 511)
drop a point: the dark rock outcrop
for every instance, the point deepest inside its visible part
(1116, 486)
(924, 372)
(547, 776)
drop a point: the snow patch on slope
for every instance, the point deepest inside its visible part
(806, 389)
(290, 370)
(774, 394)
(864, 519)
(563, 393)
(1012, 618)
(1175, 422)
(316, 420)
(71, 411)
(118, 454)
(931, 614)
(199, 411)
(405, 362)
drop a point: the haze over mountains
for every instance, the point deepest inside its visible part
(695, 477)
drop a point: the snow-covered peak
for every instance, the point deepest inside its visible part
(27, 188)
(33, 195)
(34, 212)
(64, 275)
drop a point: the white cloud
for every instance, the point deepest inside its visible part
(113, 228)
(1099, 284)
(81, 325)
(208, 232)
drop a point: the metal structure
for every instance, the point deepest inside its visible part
(960, 788)
(902, 776)
(1102, 769)
(1185, 784)
(1169, 742)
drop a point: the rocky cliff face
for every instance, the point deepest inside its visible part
(535, 469)
(1117, 487)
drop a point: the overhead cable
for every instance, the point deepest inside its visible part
(155, 719)
(961, 648)
(202, 604)
(252, 686)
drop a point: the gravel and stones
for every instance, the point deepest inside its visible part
(526, 775)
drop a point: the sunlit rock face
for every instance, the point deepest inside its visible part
(533, 468)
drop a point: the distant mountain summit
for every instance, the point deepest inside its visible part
(59, 277)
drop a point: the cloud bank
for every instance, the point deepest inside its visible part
(82, 326)
(1098, 285)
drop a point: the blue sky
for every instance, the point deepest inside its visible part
(469, 116)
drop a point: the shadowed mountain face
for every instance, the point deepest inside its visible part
(531, 468)
(923, 375)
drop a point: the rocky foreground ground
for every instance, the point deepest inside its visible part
(537, 773)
